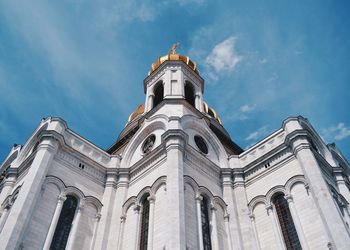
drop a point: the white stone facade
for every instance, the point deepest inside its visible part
(110, 185)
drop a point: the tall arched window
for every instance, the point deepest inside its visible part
(189, 94)
(205, 224)
(158, 94)
(286, 223)
(144, 223)
(64, 224)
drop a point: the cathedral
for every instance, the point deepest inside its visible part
(175, 180)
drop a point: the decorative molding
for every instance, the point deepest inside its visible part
(285, 189)
(72, 162)
(70, 190)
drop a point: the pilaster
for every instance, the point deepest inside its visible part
(22, 209)
(116, 214)
(234, 233)
(334, 225)
(9, 182)
(240, 198)
(175, 141)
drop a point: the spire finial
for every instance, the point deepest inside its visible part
(173, 48)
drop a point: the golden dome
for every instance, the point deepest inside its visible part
(139, 110)
(173, 56)
(211, 112)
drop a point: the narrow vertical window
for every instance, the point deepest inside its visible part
(64, 224)
(158, 94)
(286, 223)
(144, 224)
(205, 224)
(189, 94)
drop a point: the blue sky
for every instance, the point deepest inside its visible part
(262, 62)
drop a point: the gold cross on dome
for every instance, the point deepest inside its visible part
(173, 48)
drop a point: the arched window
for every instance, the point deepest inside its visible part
(189, 94)
(64, 224)
(158, 94)
(205, 224)
(286, 223)
(144, 223)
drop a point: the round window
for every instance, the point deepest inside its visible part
(148, 144)
(201, 144)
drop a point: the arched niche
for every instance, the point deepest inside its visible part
(158, 93)
(190, 93)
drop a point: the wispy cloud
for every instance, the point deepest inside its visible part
(253, 136)
(247, 108)
(243, 112)
(223, 57)
(337, 132)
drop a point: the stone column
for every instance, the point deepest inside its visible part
(233, 233)
(56, 216)
(22, 209)
(174, 141)
(275, 227)
(121, 232)
(108, 201)
(137, 211)
(334, 225)
(227, 228)
(198, 102)
(9, 182)
(97, 220)
(116, 212)
(199, 221)
(151, 200)
(4, 216)
(150, 101)
(256, 237)
(297, 223)
(241, 201)
(75, 226)
(214, 226)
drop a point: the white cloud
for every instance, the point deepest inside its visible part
(338, 132)
(247, 108)
(243, 113)
(224, 57)
(257, 134)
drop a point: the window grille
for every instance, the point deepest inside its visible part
(64, 224)
(286, 223)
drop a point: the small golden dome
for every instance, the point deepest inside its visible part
(173, 56)
(211, 112)
(139, 110)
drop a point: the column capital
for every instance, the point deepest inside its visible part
(289, 198)
(81, 205)
(137, 209)
(151, 199)
(269, 208)
(226, 217)
(98, 216)
(122, 218)
(61, 198)
(199, 198)
(252, 216)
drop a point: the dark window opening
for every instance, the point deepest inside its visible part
(158, 94)
(148, 144)
(201, 144)
(205, 224)
(286, 223)
(144, 224)
(64, 224)
(189, 94)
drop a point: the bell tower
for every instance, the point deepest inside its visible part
(174, 76)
